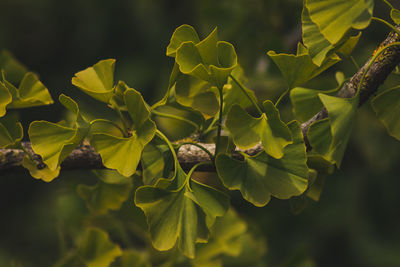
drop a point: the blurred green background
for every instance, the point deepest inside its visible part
(356, 222)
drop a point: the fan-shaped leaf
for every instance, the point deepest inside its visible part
(261, 176)
(395, 15)
(335, 17)
(184, 33)
(247, 131)
(13, 69)
(97, 81)
(11, 132)
(348, 46)
(123, 153)
(44, 174)
(5, 99)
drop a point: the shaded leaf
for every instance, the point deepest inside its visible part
(348, 46)
(96, 249)
(123, 153)
(13, 69)
(133, 258)
(247, 131)
(11, 132)
(387, 107)
(5, 99)
(335, 17)
(109, 193)
(97, 81)
(395, 15)
(341, 114)
(261, 176)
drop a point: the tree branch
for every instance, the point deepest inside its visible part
(84, 157)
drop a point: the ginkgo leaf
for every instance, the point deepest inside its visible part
(5, 99)
(133, 258)
(247, 131)
(97, 81)
(96, 249)
(300, 68)
(54, 141)
(184, 33)
(11, 132)
(13, 69)
(44, 174)
(210, 60)
(318, 46)
(341, 115)
(395, 15)
(306, 102)
(387, 106)
(123, 153)
(258, 177)
(335, 17)
(197, 94)
(348, 46)
(30, 93)
(181, 215)
(109, 193)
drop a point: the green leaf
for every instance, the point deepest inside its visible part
(44, 174)
(13, 69)
(30, 93)
(54, 141)
(347, 47)
(395, 15)
(210, 60)
(109, 193)
(336, 17)
(306, 102)
(387, 106)
(123, 153)
(300, 68)
(96, 248)
(341, 114)
(247, 131)
(261, 176)
(184, 33)
(318, 46)
(97, 81)
(5, 99)
(197, 94)
(11, 132)
(181, 213)
(133, 258)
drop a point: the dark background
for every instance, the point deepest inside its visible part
(356, 222)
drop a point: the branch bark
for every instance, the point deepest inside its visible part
(84, 156)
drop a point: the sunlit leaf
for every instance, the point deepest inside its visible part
(387, 107)
(184, 33)
(44, 174)
(123, 153)
(30, 93)
(97, 81)
(54, 141)
(300, 68)
(109, 193)
(258, 177)
(335, 17)
(96, 248)
(5, 99)
(247, 131)
(395, 15)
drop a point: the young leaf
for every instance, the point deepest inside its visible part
(347, 47)
(44, 174)
(387, 106)
(54, 141)
(181, 213)
(11, 132)
(261, 176)
(247, 131)
(97, 81)
(30, 93)
(109, 193)
(210, 60)
(300, 68)
(13, 69)
(341, 114)
(182, 34)
(96, 249)
(123, 153)
(335, 17)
